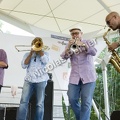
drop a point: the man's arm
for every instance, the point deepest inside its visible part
(3, 64)
(27, 60)
(114, 45)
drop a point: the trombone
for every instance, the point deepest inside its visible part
(19, 46)
(37, 46)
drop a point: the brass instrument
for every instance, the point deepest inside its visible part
(37, 46)
(74, 48)
(114, 60)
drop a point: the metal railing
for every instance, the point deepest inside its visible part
(9, 101)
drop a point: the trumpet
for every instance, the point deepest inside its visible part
(37, 46)
(74, 47)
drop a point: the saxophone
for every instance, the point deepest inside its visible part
(114, 60)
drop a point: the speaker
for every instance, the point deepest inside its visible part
(8, 113)
(48, 103)
(2, 113)
(115, 115)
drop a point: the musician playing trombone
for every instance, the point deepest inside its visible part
(83, 75)
(113, 21)
(34, 81)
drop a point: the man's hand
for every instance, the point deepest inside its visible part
(75, 41)
(79, 43)
(27, 60)
(2, 64)
(113, 46)
(31, 52)
(71, 42)
(41, 53)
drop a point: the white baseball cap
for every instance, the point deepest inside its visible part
(75, 28)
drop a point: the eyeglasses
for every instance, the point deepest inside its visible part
(74, 33)
(108, 21)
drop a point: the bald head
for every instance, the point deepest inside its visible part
(112, 14)
(113, 20)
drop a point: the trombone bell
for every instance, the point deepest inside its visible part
(37, 46)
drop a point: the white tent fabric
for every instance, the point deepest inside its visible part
(60, 15)
(53, 15)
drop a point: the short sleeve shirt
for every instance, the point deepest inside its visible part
(3, 57)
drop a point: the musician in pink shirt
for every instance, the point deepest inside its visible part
(83, 74)
(3, 65)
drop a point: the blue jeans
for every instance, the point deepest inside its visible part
(28, 89)
(83, 92)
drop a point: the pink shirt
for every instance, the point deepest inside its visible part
(3, 57)
(82, 65)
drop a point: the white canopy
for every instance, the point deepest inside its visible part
(60, 15)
